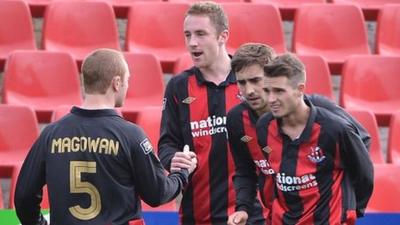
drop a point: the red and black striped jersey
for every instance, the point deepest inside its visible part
(250, 160)
(97, 168)
(248, 157)
(323, 177)
(195, 114)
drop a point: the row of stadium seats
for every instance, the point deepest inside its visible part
(318, 75)
(45, 80)
(138, 112)
(287, 7)
(330, 30)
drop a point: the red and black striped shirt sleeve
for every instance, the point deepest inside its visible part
(245, 178)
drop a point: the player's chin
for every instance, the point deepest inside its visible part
(277, 114)
(255, 104)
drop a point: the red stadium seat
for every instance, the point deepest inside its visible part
(393, 154)
(324, 29)
(287, 7)
(79, 27)
(318, 76)
(42, 80)
(183, 63)
(121, 7)
(150, 119)
(367, 119)
(254, 23)
(157, 28)
(371, 83)
(146, 85)
(16, 30)
(388, 30)
(386, 195)
(38, 7)
(18, 131)
(370, 8)
(60, 111)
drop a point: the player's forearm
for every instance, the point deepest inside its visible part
(168, 188)
(165, 153)
(364, 186)
(27, 210)
(28, 192)
(361, 169)
(246, 191)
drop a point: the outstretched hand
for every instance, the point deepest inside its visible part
(184, 160)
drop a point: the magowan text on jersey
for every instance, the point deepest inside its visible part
(92, 145)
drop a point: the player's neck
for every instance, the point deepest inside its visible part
(262, 111)
(98, 101)
(294, 124)
(219, 70)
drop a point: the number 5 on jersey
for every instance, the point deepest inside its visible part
(78, 186)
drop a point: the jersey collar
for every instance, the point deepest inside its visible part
(93, 112)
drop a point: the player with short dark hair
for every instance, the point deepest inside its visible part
(248, 64)
(322, 171)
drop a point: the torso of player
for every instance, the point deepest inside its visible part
(307, 173)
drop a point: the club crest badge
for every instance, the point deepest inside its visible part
(316, 155)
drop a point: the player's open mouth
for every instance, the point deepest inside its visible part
(197, 54)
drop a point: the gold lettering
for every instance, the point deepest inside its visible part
(103, 146)
(93, 144)
(75, 145)
(66, 145)
(56, 144)
(114, 147)
(84, 144)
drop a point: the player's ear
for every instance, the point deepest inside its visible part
(223, 37)
(116, 83)
(301, 87)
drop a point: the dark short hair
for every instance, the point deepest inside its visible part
(288, 65)
(99, 68)
(213, 11)
(251, 53)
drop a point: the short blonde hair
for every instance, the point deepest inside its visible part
(100, 67)
(213, 11)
